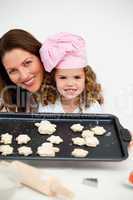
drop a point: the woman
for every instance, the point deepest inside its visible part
(21, 67)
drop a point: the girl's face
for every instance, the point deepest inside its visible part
(24, 69)
(70, 82)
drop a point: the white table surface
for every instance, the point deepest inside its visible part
(111, 181)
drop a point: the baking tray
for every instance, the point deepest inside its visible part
(113, 144)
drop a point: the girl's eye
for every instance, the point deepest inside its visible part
(77, 77)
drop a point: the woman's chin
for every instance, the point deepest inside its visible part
(31, 89)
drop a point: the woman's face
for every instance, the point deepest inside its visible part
(24, 69)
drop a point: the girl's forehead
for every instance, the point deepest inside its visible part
(70, 71)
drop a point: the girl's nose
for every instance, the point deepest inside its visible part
(70, 82)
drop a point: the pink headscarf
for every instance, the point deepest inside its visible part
(63, 50)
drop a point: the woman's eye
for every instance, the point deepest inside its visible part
(27, 63)
(12, 71)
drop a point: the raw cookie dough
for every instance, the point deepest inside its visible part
(23, 139)
(79, 141)
(6, 150)
(91, 141)
(55, 139)
(47, 149)
(87, 133)
(77, 127)
(79, 153)
(24, 150)
(46, 127)
(6, 138)
(98, 130)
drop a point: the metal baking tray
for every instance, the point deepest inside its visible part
(113, 144)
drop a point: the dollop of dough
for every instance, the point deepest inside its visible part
(87, 133)
(79, 153)
(55, 139)
(91, 141)
(6, 150)
(23, 139)
(47, 149)
(79, 141)
(6, 138)
(77, 127)
(46, 127)
(24, 150)
(98, 130)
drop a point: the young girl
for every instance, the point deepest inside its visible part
(74, 84)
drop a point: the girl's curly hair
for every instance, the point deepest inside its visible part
(92, 92)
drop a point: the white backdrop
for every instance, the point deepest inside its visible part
(107, 26)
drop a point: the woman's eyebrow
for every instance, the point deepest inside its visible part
(10, 68)
(23, 62)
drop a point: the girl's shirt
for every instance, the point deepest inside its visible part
(57, 108)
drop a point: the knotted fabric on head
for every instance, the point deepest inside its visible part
(63, 50)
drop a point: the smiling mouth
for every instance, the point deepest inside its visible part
(29, 82)
(70, 90)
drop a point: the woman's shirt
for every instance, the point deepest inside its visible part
(57, 108)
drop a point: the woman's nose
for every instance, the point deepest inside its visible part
(24, 73)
